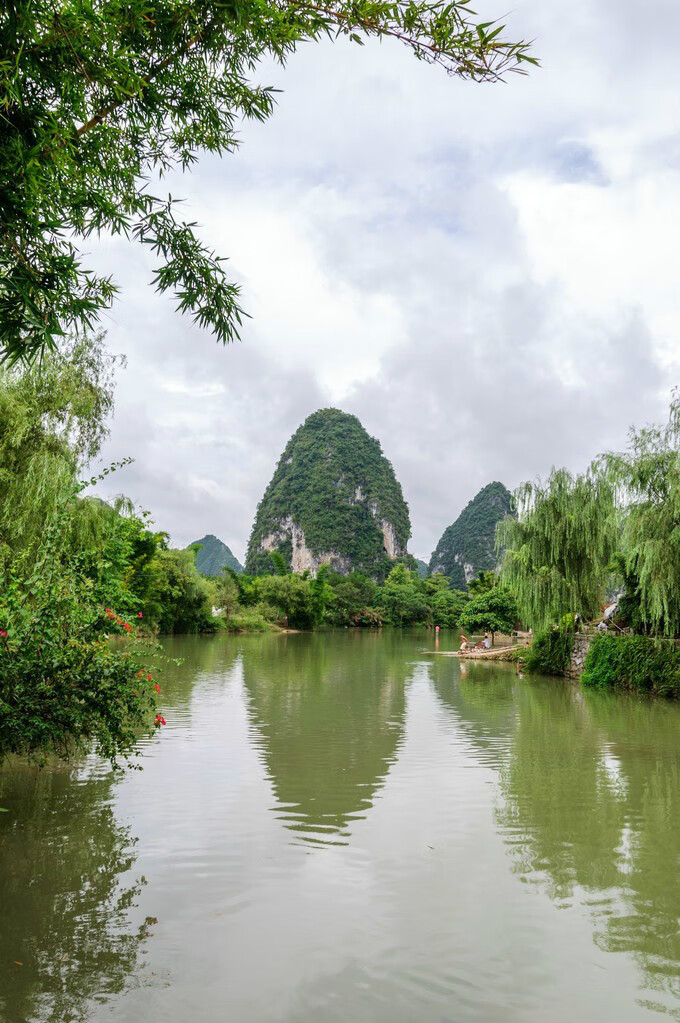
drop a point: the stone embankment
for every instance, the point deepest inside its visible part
(582, 641)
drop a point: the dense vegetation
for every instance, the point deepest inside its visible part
(493, 611)
(633, 662)
(334, 599)
(212, 555)
(468, 547)
(611, 533)
(75, 572)
(334, 484)
(97, 99)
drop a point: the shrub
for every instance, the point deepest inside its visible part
(551, 649)
(64, 688)
(633, 662)
(249, 619)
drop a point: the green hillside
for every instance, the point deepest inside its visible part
(422, 568)
(333, 498)
(468, 547)
(214, 556)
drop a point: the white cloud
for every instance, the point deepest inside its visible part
(484, 274)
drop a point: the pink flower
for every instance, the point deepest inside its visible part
(139, 614)
(3, 633)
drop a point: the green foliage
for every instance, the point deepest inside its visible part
(293, 596)
(63, 688)
(401, 599)
(447, 606)
(182, 598)
(623, 513)
(492, 611)
(471, 540)
(278, 563)
(421, 568)
(560, 547)
(551, 649)
(250, 619)
(334, 483)
(353, 595)
(647, 478)
(117, 551)
(97, 99)
(51, 423)
(633, 662)
(212, 556)
(483, 583)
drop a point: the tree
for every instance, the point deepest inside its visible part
(647, 482)
(402, 598)
(447, 606)
(292, 595)
(559, 548)
(227, 592)
(485, 581)
(52, 422)
(493, 611)
(97, 99)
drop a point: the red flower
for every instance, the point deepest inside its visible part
(3, 633)
(127, 627)
(160, 720)
(157, 687)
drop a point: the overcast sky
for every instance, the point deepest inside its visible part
(487, 275)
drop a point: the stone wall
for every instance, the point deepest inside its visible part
(582, 641)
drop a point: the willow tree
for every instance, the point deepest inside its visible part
(559, 549)
(647, 481)
(52, 423)
(98, 98)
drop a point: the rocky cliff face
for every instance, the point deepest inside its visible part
(468, 546)
(333, 499)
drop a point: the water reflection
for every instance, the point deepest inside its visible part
(328, 726)
(66, 936)
(590, 806)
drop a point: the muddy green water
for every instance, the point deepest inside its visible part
(343, 828)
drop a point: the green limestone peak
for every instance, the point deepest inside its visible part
(468, 547)
(333, 499)
(213, 556)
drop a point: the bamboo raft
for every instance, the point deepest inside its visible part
(501, 653)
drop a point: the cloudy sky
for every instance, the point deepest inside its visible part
(487, 275)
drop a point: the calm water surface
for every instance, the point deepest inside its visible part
(344, 828)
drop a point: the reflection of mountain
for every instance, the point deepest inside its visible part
(65, 936)
(590, 788)
(330, 725)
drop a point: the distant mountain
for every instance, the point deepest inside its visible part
(213, 556)
(333, 499)
(468, 547)
(422, 568)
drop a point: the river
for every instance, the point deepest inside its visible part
(346, 828)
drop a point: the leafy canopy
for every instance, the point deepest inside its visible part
(560, 546)
(621, 516)
(647, 481)
(98, 98)
(492, 611)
